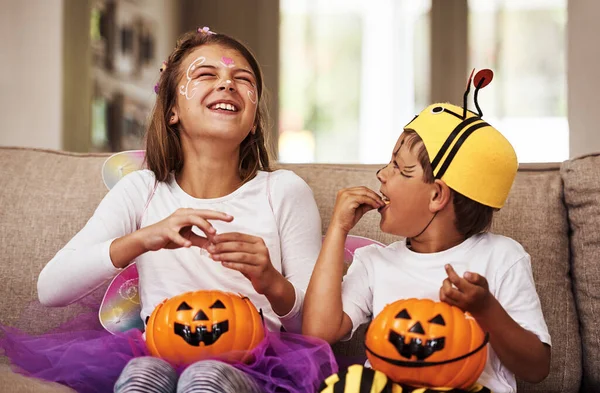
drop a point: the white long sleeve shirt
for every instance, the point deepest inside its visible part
(279, 207)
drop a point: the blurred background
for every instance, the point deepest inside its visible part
(344, 76)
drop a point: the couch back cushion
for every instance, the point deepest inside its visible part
(534, 215)
(582, 194)
(46, 198)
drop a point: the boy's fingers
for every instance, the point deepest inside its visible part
(476, 279)
(365, 192)
(455, 279)
(449, 292)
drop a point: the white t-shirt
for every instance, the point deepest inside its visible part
(379, 276)
(279, 207)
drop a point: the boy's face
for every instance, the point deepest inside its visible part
(402, 184)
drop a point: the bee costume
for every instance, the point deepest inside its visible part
(475, 160)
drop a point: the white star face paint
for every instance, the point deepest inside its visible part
(185, 90)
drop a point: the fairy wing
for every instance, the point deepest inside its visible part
(120, 164)
(120, 308)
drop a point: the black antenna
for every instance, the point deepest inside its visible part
(482, 79)
(464, 116)
(477, 88)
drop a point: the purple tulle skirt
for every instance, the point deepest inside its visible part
(87, 358)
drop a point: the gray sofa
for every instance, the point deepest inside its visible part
(553, 211)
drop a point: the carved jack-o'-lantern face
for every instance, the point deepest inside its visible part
(199, 333)
(423, 343)
(196, 325)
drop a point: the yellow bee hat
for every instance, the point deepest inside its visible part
(467, 153)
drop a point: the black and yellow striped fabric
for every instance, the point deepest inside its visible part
(359, 379)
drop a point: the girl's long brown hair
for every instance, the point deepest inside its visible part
(164, 153)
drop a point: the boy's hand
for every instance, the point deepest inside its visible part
(351, 204)
(470, 293)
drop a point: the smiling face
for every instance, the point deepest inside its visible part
(216, 94)
(405, 191)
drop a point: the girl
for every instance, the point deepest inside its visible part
(207, 214)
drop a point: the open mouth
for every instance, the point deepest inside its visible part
(386, 200)
(224, 107)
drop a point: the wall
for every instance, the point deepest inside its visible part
(31, 73)
(583, 77)
(45, 74)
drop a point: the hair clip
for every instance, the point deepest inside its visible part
(205, 30)
(163, 67)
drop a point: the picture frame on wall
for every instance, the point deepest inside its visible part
(127, 123)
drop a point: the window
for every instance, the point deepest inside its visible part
(523, 41)
(353, 73)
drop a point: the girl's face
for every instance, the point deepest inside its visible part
(402, 184)
(216, 95)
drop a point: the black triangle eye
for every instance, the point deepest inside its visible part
(183, 306)
(403, 314)
(438, 320)
(218, 304)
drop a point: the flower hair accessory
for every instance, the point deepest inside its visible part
(205, 30)
(162, 68)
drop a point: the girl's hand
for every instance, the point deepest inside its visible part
(175, 231)
(351, 204)
(470, 294)
(248, 255)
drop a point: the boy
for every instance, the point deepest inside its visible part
(447, 175)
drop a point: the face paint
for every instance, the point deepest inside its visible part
(185, 90)
(227, 62)
(251, 96)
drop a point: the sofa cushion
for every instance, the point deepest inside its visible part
(582, 194)
(536, 217)
(46, 197)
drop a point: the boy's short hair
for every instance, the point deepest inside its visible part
(471, 217)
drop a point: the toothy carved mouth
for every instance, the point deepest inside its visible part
(421, 349)
(201, 335)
